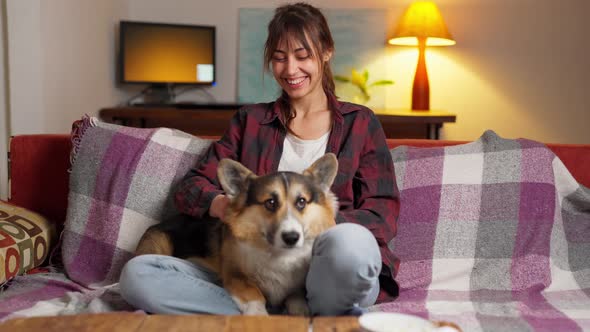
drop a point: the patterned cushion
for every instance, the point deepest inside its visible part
(25, 239)
(122, 181)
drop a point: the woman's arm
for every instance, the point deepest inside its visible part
(376, 204)
(199, 187)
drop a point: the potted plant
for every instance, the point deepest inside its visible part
(361, 82)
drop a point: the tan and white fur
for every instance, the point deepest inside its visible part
(262, 248)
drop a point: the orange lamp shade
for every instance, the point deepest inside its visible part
(421, 25)
(422, 19)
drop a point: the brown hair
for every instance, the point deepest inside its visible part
(302, 21)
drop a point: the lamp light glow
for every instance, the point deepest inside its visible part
(421, 25)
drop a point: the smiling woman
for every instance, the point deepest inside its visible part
(350, 264)
(296, 69)
(298, 53)
(298, 50)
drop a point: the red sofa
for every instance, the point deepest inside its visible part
(39, 164)
(39, 182)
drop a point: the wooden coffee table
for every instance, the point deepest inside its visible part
(127, 322)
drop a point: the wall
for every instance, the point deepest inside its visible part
(3, 104)
(519, 67)
(61, 55)
(25, 67)
(79, 71)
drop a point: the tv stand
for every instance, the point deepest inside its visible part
(189, 105)
(193, 118)
(157, 93)
(213, 119)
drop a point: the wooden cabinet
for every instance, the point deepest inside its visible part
(198, 120)
(413, 124)
(212, 120)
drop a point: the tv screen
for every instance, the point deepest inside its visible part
(158, 53)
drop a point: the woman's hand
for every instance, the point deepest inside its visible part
(218, 206)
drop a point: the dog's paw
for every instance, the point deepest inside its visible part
(297, 306)
(252, 308)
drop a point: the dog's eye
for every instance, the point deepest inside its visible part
(300, 203)
(270, 204)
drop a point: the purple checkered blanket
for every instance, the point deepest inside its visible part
(493, 235)
(54, 294)
(122, 181)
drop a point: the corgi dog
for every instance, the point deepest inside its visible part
(262, 248)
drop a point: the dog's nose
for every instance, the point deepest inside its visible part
(290, 238)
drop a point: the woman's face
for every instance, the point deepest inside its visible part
(296, 70)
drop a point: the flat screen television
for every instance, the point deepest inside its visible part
(166, 54)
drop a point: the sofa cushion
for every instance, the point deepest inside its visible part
(122, 181)
(25, 239)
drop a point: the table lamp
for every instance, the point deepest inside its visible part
(422, 25)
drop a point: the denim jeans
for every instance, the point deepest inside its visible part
(343, 275)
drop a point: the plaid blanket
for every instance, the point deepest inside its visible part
(493, 235)
(122, 181)
(54, 294)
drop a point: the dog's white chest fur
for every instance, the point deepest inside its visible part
(277, 274)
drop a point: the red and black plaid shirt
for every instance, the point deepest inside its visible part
(364, 184)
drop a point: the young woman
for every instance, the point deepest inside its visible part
(350, 262)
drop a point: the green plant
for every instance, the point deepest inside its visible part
(361, 82)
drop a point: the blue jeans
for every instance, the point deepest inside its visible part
(343, 276)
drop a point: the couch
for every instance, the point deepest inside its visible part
(39, 182)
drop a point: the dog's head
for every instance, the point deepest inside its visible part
(283, 210)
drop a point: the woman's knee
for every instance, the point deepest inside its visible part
(344, 270)
(135, 279)
(137, 268)
(352, 248)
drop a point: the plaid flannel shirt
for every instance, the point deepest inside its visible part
(364, 185)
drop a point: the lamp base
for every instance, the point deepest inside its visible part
(421, 87)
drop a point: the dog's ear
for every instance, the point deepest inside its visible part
(233, 177)
(323, 170)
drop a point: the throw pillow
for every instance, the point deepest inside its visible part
(25, 240)
(474, 216)
(121, 182)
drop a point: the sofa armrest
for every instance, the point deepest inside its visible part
(38, 174)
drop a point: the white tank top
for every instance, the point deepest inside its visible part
(299, 154)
